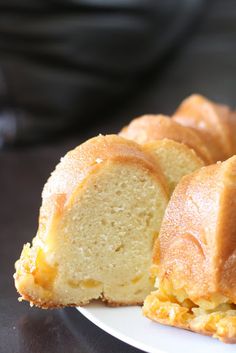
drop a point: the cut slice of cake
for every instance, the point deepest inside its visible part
(195, 255)
(101, 212)
(149, 128)
(175, 160)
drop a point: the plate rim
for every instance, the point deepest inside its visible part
(120, 336)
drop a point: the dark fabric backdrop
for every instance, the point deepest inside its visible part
(66, 63)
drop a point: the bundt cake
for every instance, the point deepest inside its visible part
(150, 128)
(214, 123)
(101, 212)
(175, 160)
(195, 255)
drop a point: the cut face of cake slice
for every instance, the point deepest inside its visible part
(149, 128)
(195, 255)
(175, 160)
(101, 212)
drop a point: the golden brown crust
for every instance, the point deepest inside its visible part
(81, 161)
(214, 123)
(186, 217)
(43, 304)
(195, 255)
(231, 121)
(59, 192)
(149, 128)
(118, 304)
(200, 218)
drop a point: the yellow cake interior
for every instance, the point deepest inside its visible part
(175, 160)
(101, 245)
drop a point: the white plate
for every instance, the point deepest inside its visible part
(128, 325)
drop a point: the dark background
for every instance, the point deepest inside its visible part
(204, 63)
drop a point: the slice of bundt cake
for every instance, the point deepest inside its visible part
(175, 160)
(195, 255)
(150, 128)
(214, 123)
(101, 212)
